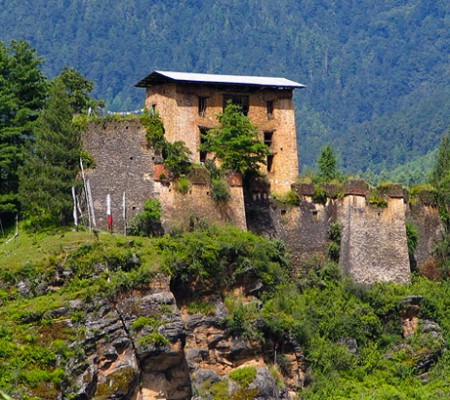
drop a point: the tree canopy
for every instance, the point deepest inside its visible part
(235, 142)
(23, 89)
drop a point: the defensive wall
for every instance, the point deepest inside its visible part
(373, 244)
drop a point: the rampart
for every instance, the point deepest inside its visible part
(129, 172)
(373, 243)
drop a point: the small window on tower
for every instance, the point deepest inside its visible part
(269, 162)
(268, 136)
(201, 106)
(153, 110)
(270, 109)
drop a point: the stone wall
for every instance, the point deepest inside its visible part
(373, 243)
(178, 106)
(125, 164)
(424, 214)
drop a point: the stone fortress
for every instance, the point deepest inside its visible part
(373, 244)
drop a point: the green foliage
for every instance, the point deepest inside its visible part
(234, 142)
(220, 257)
(52, 164)
(154, 338)
(182, 185)
(142, 322)
(201, 307)
(88, 160)
(327, 165)
(177, 158)
(374, 198)
(412, 237)
(154, 133)
(148, 222)
(78, 89)
(289, 198)
(241, 318)
(320, 195)
(176, 155)
(220, 190)
(334, 237)
(244, 376)
(23, 89)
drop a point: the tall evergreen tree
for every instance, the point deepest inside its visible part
(52, 165)
(327, 163)
(23, 89)
(440, 178)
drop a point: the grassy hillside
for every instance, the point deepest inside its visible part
(353, 338)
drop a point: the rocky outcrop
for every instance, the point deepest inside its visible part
(142, 346)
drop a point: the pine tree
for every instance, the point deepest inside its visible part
(23, 88)
(235, 142)
(52, 165)
(327, 163)
(440, 178)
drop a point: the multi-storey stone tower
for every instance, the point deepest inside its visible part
(189, 103)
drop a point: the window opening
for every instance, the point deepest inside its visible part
(242, 101)
(153, 110)
(269, 109)
(268, 136)
(201, 106)
(269, 162)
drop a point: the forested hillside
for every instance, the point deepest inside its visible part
(377, 71)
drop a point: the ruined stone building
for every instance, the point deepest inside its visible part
(189, 103)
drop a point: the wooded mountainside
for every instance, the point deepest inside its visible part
(377, 71)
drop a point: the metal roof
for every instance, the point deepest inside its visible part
(170, 76)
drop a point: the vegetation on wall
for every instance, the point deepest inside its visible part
(235, 142)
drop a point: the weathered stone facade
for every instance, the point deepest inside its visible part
(187, 109)
(126, 168)
(373, 244)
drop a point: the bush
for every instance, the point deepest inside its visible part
(177, 158)
(182, 185)
(154, 338)
(243, 375)
(289, 198)
(220, 191)
(412, 236)
(148, 222)
(320, 195)
(154, 131)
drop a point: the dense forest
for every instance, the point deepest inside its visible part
(377, 73)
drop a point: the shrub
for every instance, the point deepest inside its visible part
(376, 200)
(154, 131)
(148, 222)
(320, 195)
(201, 307)
(154, 338)
(220, 191)
(88, 160)
(289, 198)
(182, 185)
(177, 158)
(412, 236)
(243, 375)
(142, 322)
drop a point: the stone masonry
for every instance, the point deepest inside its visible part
(187, 109)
